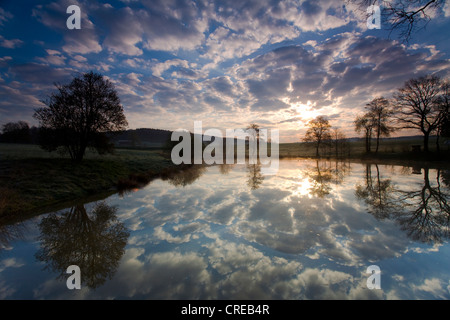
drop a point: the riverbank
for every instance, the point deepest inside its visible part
(32, 181)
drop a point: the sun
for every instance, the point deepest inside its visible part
(305, 111)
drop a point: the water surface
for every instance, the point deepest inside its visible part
(229, 232)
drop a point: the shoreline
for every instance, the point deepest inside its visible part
(31, 186)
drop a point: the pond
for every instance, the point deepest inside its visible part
(230, 232)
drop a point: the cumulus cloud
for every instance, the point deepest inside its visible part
(215, 58)
(5, 16)
(53, 15)
(10, 43)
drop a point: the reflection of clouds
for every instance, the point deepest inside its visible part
(217, 239)
(10, 263)
(183, 233)
(277, 216)
(6, 290)
(165, 275)
(434, 286)
(230, 270)
(238, 261)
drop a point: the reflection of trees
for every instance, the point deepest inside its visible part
(10, 232)
(446, 177)
(225, 168)
(255, 177)
(187, 176)
(423, 213)
(376, 193)
(325, 173)
(95, 242)
(427, 214)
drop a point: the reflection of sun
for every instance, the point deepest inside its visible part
(303, 187)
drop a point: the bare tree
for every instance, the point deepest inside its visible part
(404, 16)
(426, 212)
(366, 124)
(318, 132)
(418, 105)
(80, 114)
(254, 129)
(380, 112)
(443, 129)
(340, 142)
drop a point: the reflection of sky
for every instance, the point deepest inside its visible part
(216, 238)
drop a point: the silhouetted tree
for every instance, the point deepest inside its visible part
(423, 212)
(185, 177)
(79, 115)
(16, 132)
(377, 193)
(340, 142)
(321, 176)
(318, 132)
(426, 212)
(418, 105)
(255, 177)
(366, 124)
(404, 16)
(443, 128)
(380, 112)
(95, 242)
(253, 129)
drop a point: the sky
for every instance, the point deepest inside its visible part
(277, 63)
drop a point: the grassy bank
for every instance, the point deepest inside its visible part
(32, 180)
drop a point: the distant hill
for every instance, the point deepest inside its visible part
(141, 138)
(157, 138)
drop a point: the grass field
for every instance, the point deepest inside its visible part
(389, 148)
(32, 179)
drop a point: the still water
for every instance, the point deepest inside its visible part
(229, 232)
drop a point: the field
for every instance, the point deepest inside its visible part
(399, 148)
(32, 180)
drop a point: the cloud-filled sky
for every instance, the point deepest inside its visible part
(278, 63)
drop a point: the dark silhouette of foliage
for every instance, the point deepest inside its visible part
(403, 16)
(16, 132)
(95, 242)
(79, 115)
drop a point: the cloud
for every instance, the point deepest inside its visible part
(159, 68)
(5, 16)
(435, 287)
(125, 30)
(171, 26)
(53, 57)
(54, 16)
(10, 44)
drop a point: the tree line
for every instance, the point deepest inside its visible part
(422, 104)
(77, 116)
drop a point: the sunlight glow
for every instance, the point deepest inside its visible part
(303, 187)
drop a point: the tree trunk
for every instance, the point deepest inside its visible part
(378, 138)
(80, 154)
(425, 141)
(438, 149)
(367, 143)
